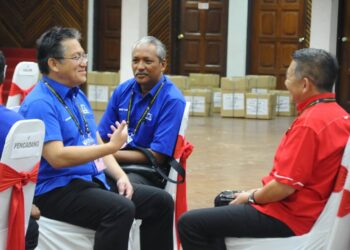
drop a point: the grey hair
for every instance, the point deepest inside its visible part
(318, 65)
(160, 47)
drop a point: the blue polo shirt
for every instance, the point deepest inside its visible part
(42, 104)
(8, 118)
(161, 126)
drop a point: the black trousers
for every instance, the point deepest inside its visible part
(205, 229)
(32, 234)
(88, 204)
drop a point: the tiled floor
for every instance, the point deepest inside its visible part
(229, 154)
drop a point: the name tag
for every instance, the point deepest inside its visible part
(26, 145)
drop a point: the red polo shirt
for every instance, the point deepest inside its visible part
(308, 159)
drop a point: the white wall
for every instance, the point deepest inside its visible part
(134, 26)
(324, 19)
(90, 34)
(237, 37)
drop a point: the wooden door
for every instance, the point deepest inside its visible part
(202, 36)
(343, 84)
(107, 35)
(278, 27)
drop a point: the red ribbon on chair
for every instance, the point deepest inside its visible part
(16, 90)
(11, 178)
(183, 150)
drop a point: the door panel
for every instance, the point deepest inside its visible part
(343, 85)
(203, 36)
(107, 38)
(276, 28)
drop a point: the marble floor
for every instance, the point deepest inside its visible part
(229, 153)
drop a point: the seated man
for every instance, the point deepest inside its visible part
(305, 166)
(72, 185)
(8, 118)
(152, 106)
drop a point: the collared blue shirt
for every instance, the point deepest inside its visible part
(8, 118)
(42, 104)
(161, 126)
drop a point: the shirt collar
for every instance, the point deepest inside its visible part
(63, 90)
(153, 91)
(301, 106)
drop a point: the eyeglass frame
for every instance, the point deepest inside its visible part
(78, 58)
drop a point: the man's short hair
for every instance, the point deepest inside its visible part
(2, 67)
(146, 40)
(318, 65)
(49, 45)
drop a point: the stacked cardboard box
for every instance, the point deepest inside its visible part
(261, 83)
(180, 81)
(100, 85)
(233, 91)
(216, 100)
(285, 105)
(200, 80)
(200, 101)
(260, 106)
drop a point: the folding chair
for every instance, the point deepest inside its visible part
(331, 231)
(55, 235)
(18, 172)
(24, 78)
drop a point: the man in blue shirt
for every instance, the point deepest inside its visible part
(152, 106)
(8, 118)
(72, 185)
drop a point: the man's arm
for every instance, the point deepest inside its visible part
(60, 156)
(271, 192)
(135, 156)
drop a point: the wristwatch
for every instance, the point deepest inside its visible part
(251, 199)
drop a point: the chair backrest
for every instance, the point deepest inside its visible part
(22, 150)
(25, 76)
(171, 187)
(340, 233)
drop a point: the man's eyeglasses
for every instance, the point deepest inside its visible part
(78, 58)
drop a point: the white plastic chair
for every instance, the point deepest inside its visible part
(330, 231)
(22, 151)
(56, 235)
(24, 78)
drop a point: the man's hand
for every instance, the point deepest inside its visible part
(35, 212)
(240, 198)
(124, 186)
(119, 134)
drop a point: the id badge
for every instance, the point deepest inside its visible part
(88, 141)
(99, 164)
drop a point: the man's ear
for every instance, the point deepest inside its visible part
(308, 85)
(164, 63)
(52, 63)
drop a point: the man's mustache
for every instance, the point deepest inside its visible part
(137, 73)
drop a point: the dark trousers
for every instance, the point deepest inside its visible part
(88, 204)
(205, 229)
(32, 234)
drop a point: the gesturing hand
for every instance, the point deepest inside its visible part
(119, 135)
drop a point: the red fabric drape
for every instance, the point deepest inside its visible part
(11, 178)
(16, 90)
(183, 150)
(344, 208)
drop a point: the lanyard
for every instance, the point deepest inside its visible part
(146, 110)
(69, 111)
(321, 100)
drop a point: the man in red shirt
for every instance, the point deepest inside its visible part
(304, 169)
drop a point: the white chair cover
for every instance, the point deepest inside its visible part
(25, 76)
(329, 232)
(51, 235)
(22, 159)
